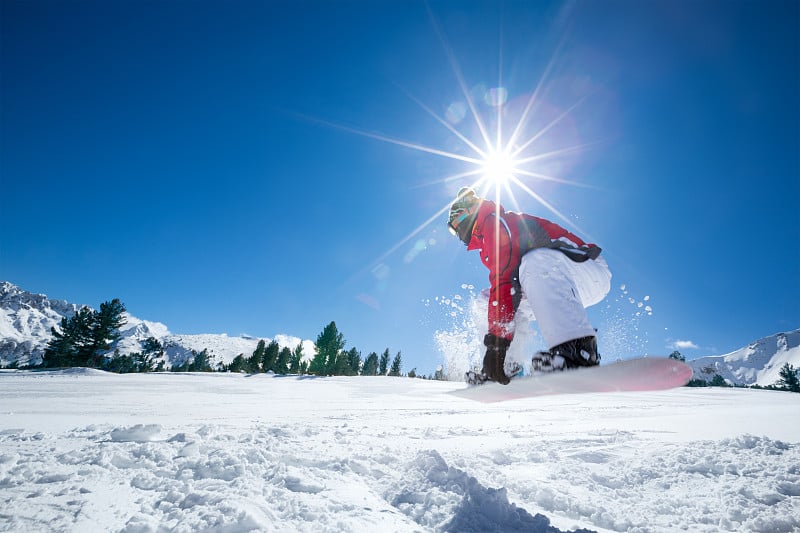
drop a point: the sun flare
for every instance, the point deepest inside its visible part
(498, 167)
(505, 145)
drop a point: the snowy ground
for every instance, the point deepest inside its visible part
(87, 451)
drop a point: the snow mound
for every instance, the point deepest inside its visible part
(137, 433)
(443, 498)
(80, 371)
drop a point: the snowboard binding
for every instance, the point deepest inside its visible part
(576, 353)
(477, 377)
(542, 362)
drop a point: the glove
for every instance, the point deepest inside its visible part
(495, 359)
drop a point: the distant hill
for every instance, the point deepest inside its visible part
(756, 364)
(26, 319)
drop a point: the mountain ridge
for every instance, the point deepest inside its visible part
(758, 363)
(26, 320)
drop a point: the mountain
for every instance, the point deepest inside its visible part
(756, 364)
(26, 319)
(25, 322)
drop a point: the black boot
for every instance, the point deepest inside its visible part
(495, 359)
(543, 362)
(578, 352)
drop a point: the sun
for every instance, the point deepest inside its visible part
(498, 167)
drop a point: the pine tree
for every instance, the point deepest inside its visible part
(122, 364)
(152, 350)
(789, 380)
(383, 366)
(677, 356)
(71, 343)
(105, 330)
(329, 343)
(282, 364)
(396, 366)
(370, 365)
(718, 381)
(296, 359)
(61, 348)
(80, 331)
(239, 364)
(201, 363)
(153, 346)
(83, 338)
(353, 362)
(271, 357)
(253, 363)
(340, 365)
(318, 364)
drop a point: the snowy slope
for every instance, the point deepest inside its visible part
(756, 364)
(83, 450)
(26, 319)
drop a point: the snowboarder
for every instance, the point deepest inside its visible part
(557, 271)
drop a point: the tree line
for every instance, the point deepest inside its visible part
(85, 339)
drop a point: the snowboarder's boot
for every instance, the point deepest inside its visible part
(475, 377)
(495, 359)
(546, 362)
(578, 352)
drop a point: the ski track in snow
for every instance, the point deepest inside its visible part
(88, 451)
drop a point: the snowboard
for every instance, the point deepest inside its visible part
(642, 374)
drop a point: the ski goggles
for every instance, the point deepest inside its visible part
(456, 221)
(461, 224)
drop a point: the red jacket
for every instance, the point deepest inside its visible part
(503, 238)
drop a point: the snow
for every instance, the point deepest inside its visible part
(85, 450)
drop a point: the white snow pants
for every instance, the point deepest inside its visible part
(558, 290)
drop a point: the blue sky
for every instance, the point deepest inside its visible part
(267, 167)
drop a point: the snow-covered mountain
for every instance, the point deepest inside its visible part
(756, 364)
(26, 320)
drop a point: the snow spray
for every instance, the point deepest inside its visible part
(620, 333)
(461, 342)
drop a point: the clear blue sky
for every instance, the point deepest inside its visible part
(267, 167)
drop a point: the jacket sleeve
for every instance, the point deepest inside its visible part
(497, 255)
(556, 232)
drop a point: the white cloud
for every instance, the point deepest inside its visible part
(684, 345)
